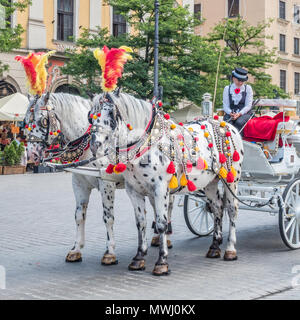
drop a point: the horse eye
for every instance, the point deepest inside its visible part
(44, 122)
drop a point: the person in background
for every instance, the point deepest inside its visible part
(238, 99)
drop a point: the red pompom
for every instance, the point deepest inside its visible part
(171, 168)
(236, 156)
(230, 177)
(120, 167)
(210, 145)
(110, 169)
(91, 115)
(203, 127)
(51, 133)
(189, 166)
(34, 126)
(160, 104)
(58, 131)
(222, 158)
(228, 147)
(196, 139)
(191, 186)
(228, 134)
(216, 117)
(180, 123)
(167, 116)
(27, 126)
(99, 115)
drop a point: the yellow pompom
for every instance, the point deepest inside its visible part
(191, 129)
(196, 149)
(185, 156)
(232, 169)
(29, 129)
(205, 165)
(181, 143)
(173, 126)
(183, 180)
(228, 154)
(173, 183)
(223, 173)
(95, 117)
(115, 171)
(206, 134)
(227, 141)
(223, 124)
(55, 133)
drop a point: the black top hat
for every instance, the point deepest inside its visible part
(240, 74)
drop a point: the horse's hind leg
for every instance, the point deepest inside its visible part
(232, 206)
(155, 239)
(138, 202)
(216, 205)
(82, 194)
(107, 190)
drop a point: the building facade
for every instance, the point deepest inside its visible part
(285, 29)
(48, 25)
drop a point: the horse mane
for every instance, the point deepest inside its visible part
(66, 100)
(137, 111)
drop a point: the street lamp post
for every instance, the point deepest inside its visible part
(156, 47)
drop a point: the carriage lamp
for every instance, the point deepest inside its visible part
(207, 109)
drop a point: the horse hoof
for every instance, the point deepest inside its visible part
(213, 253)
(109, 259)
(230, 256)
(137, 265)
(155, 242)
(161, 270)
(74, 257)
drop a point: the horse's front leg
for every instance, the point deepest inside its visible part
(161, 201)
(82, 195)
(107, 190)
(155, 240)
(232, 207)
(138, 202)
(216, 204)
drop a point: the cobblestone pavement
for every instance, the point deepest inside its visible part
(37, 229)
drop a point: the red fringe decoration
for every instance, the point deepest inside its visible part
(171, 168)
(222, 158)
(189, 166)
(191, 186)
(120, 167)
(110, 169)
(230, 177)
(236, 156)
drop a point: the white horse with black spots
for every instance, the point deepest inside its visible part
(70, 115)
(125, 122)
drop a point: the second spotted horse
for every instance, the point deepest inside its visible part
(159, 157)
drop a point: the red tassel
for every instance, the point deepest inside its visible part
(167, 116)
(191, 186)
(120, 167)
(236, 156)
(228, 134)
(230, 177)
(171, 168)
(222, 158)
(189, 166)
(110, 169)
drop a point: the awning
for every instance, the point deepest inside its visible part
(13, 107)
(186, 114)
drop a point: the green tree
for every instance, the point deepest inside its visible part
(10, 36)
(244, 47)
(183, 55)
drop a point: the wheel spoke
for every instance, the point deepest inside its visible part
(196, 218)
(201, 221)
(290, 224)
(194, 209)
(292, 231)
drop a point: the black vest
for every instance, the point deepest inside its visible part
(242, 102)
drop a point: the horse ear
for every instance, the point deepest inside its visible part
(91, 95)
(117, 92)
(47, 97)
(29, 96)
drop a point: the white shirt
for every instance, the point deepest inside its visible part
(236, 98)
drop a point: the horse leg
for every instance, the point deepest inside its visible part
(216, 205)
(138, 201)
(161, 201)
(82, 194)
(155, 239)
(107, 190)
(232, 206)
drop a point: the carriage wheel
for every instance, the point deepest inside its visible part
(289, 217)
(197, 216)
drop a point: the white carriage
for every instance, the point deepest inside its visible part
(270, 183)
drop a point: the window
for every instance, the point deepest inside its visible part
(297, 83)
(65, 19)
(296, 46)
(297, 14)
(282, 10)
(119, 24)
(66, 88)
(197, 11)
(283, 80)
(282, 43)
(6, 89)
(233, 8)
(5, 20)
